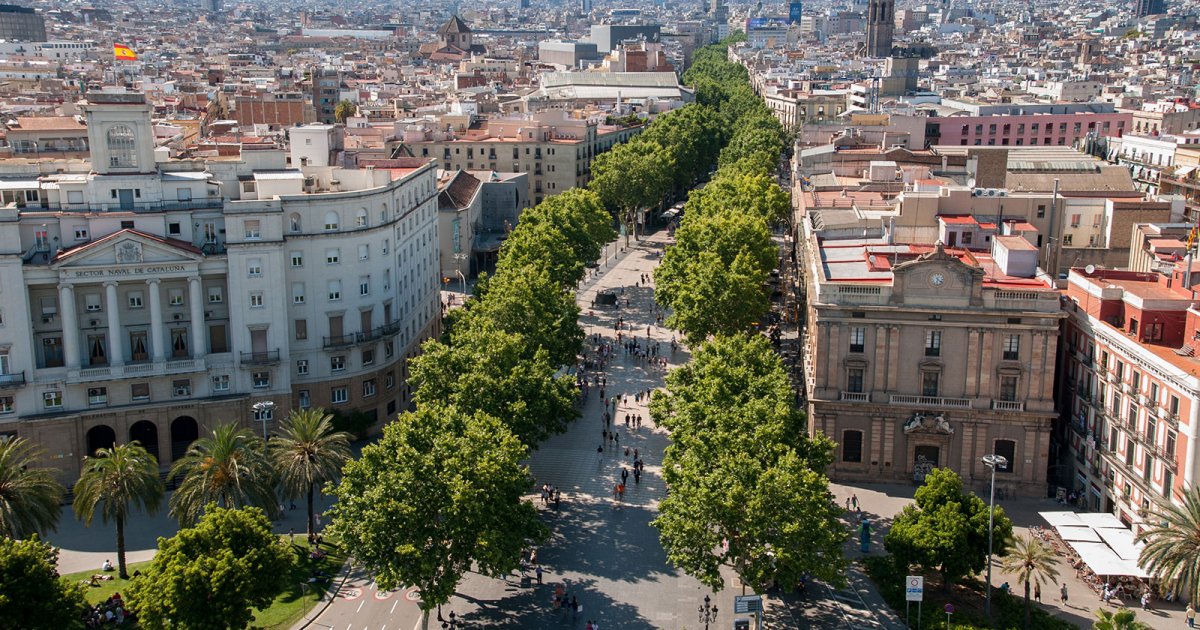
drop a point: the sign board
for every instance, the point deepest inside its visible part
(741, 624)
(914, 588)
(743, 604)
(949, 609)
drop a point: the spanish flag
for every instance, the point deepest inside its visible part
(121, 51)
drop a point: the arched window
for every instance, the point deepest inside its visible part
(1008, 450)
(360, 218)
(121, 147)
(383, 213)
(852, 442)
(294, 221)
(331, 221)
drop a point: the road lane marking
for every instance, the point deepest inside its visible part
(360, 605)
(394, 604)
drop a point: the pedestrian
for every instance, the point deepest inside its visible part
(1190, 615)
(557, 499)
(616, 438)
(538, 572)
(847, 504)
(291, 535)
(1062, 590)
(1146, 599)
(854, 500)
(624, 475)
(637, 476)
(533, 556)
(1037, 592)
(574, 606)
(589, 626)
(626, 420)
(635, 454)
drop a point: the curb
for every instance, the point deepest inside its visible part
(324, 605)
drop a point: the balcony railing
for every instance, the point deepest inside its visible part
(930, 401)
(1008, 405)
(338, 341)
(260, 358)
(854, 397)
(12, 380)
(378, 332)
(143, 207)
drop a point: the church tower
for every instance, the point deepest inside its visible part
(881, 22)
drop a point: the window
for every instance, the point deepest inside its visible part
(929, 384)
(261, 380)
(302, 367)
(368, 356)
(254, 268)
(294, 222)
(1151, 430)
(1041, 209)
(331, 221)
(1008, 450)
(81, 234)
(854, 380)
(360, 218)
(1147, 467)
(389, 380)
(91, 302)
(305, 399)
(122, 152)
(183, 194)
(52, 399)
(256, 299)
(852, 442)
(253, 230)
(215, 296)
(858, 337)
(389, 349)
(339, 395)
(175, 297)
(364, 285)
(1076, 219)
(1173, 407)
(1008, 388)
(135, 299)
(1012, 347)
(368, 388)
(337, 363)
(6, 405)
(301, 329)
(181, 388)
(97, 395)
(335, 290)
(139, 391)
(220, 383)
(933, 343)
(297, 259)
(364, 251)
(333, 256)
(297, 293)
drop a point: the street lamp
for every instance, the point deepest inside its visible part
(451, 623)
(992, 461)
(263, 412)
(708, 612)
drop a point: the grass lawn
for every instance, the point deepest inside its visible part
(287, 608)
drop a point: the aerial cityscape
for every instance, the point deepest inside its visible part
(845, 314)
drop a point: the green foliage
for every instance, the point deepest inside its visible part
(343, 110)
(1172, 551)
(212, 575)
(633, 175)
(579, 215)
(541, 245)
(115, 480)
(529, 302)
(353, 421)
(739, 192)
(307, 452)
(693, 135)
(740, 471)
(439, 495)
(484, 369)
(946, 529)
(1122, 619)
(30, 495)
(1032, 563)
(759, 132)
(229, 468)
(31, 594)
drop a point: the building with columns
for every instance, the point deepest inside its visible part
(921, 356)
(145, 298)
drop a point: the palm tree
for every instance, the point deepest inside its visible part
(30, 496)
(228, 467)
(115, 480)
(344, 110)
(1172, 551)
(307, 452)
(1123, 619)
(1030, 562)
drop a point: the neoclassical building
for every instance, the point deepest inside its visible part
(146, 298)
(920, 356)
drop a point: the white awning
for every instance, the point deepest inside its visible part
(1122, 542)
(1103, 561)
(1080, 533)
(1100, 520)
(1061, 518)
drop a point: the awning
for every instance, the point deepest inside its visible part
(1103, 561)
(1072, 533)
(1100, 520)
(1122, 542)
(1061, 518)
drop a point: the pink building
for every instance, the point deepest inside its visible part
(1025, 129)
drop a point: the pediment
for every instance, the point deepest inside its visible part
(128, 248)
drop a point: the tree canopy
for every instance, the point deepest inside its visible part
(212, 575)
(439, 495)
(946, 529)
(632, 176)
(115, 481)
(32, 595)
(30, 495)
(230, 468)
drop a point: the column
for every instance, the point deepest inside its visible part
(972, 363)
(879, 382)
(70, 322)
(196, 303)
(1037, 369)
(894, 367)
(116, 349)
(158, 346)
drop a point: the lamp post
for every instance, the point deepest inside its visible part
(708, 612)
(263, 410)
(451, 623)
(992, 461)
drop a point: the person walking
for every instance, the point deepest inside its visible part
(854, 500)
(624, 475)
(1190, 615)
(637, 477)
(1062, 590)
(538, 572)
(1037, 592)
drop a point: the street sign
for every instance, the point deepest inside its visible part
(741, 624)
(949, 609)
(914, 588)
(743, 604)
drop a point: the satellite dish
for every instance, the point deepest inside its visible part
(1090, 269)
(971, 183)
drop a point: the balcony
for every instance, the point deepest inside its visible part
(12, 380)
(267, 357)
(930, 401)
(336, 341)
(1171, 418)
(379, 332)
(854, 397)
(1008, 405)
(87, 374)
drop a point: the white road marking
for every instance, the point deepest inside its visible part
(360, 605)
(394, 604)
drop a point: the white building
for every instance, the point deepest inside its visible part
(151, 299)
